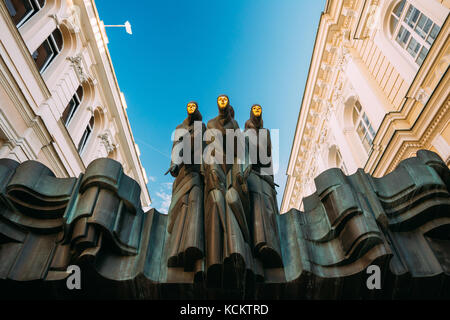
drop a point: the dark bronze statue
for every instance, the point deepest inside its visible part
(228, 252)
(264, 208)
(186, 209)
(233, 223)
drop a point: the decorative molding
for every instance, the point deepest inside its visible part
(422, 96)
(77, 63)
(424, 139)
(107, 141)
(73, 19)
(91, 110)
(56, 18)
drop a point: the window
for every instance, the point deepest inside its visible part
(72, 106)
(413, 30)
(22, 10)
(363, 126)
(339, 162)
(48, 50)
(86, 134)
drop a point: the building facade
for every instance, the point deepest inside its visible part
(60, 103)
(377, 91)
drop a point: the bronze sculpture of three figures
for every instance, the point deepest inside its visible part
(222, 217)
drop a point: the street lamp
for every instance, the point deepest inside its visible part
(127, 26)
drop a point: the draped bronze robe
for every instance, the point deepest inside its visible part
(186, 241)
(228, 252)
(264, 207)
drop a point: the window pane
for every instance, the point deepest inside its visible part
(80, 93)
(399, 8)
(366, 120)
(19, 9)
(433, 34)
(423, 53)
(423, 26)
(394, 22)
(84, 139)
(372, 132)
(413, 47)
(411, 16)
(403, 36)
(41, 3)
(68, 112)
(43, 54)
(57, 36)
(361, 130)
(355, 115)
(366, 144)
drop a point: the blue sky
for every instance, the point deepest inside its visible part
(255, 51)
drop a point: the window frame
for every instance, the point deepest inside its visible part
(86, 135)
(35, 5)
(340, 161)
(363, 121)
(402, 25)
(77, 100)
(51, 41)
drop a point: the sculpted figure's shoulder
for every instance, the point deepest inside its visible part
(212, 123)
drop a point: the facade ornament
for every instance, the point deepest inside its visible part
(322, 84)
(107, 142)
(73, 19)
(313, 113)
(325, 67)
(331, 106)
(422, 96)
(344, 55)
(317, 99)
(91, 110)
(56, 18)
(337, 96)
(330, 48)
(77, 63)
(349, 12)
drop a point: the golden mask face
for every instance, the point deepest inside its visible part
(256, 110)
(191, 107)
(222, 101)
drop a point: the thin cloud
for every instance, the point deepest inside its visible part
(168, 185)
(165, 199)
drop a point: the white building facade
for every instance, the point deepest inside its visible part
(377, 91)
(60, 103)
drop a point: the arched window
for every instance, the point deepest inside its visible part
(72, 106)
(86, 134)
(22, 10)
(363, 126)
(335, 159)
(339, 162)
(48, 50)
(413, 30)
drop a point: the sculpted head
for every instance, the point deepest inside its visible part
(191, 107)
(222, 101)
(256, 110)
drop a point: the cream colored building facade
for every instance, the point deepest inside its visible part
(376, 92)
(60, 102)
